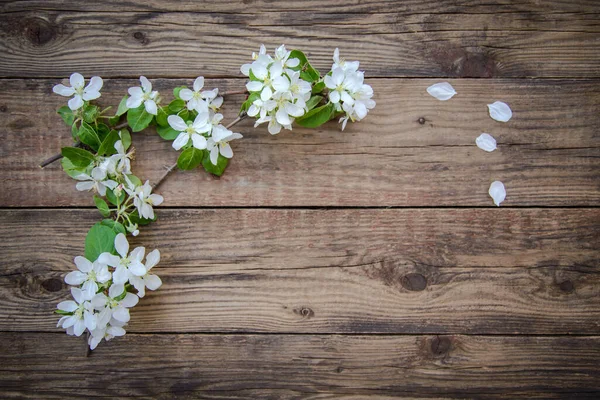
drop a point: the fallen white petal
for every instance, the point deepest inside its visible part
(441, 91)
(497, 192)
(500, 111)
(486, 142)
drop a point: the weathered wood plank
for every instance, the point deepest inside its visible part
(528, 40)
(300, 367)
(411, 151)
(532, 271)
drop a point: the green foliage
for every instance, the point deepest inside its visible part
(318, 88)
(190, 158)
(88, 135)
(125, 138)
(251, 99)
(122, 109)
(107, 148)
(218, 169)
(138, 118)
(79, 158)
(90, 113)
(177, 90)
(117, 227)
(70, 169)
(101, 206)
(99, 239)
(313, 102)
(136, 219)
(112, 197)
(176, 105)
(317, 116)
(67, 115)
(307, 71)
(166, 132)
(161, 117)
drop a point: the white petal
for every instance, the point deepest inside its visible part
(76, 80)
(115, 331)
(500, 111)
(137, 268)
(90, 320)
(137, 254)
(226, 150)
(338, 76)
(292, 62)
(130, 300)
(120, 276)
(198, 83)
(121, 314)
(75, 278)
(116, 290)
(75, 103)
(83, 186)
(198, 141)
(486, 142)
(245, 69)
(68, 306)
(214, 155)
(79, 327)
(95, 84)
(177, 123)
(152, 259)
(77, 295)
(282, 117)
(151, 107)
(334, 96)
(153, 282)
(186, 94)
(497, 192)
(181, 140)
(63, 90)
(146, 85)
(281, 84)
(122, 245)
(254, 86)
(89, 289)
(83, 264)
(134, 102)
(109, 259)
(266, 93)
(441, 91)
(329, 83)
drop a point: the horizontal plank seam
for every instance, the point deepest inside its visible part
(573, 79)
(316, 208)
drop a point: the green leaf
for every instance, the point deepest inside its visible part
(90, 113)
(176, 105)
(75, 131)
(190, 158)
(112, 197)
(100, 239)
(135, 180)
(117, 227)
(107, 148)
(125, 138)
(166, 132)
(80, 158)
(62, 312)
(101, 206)
(70, 169)
(307, 71)
(251, 99)
(218, 169)
(161, 117)
(67, 115)
(313, 102)
(318, 88)
(138, 118)
(114, 120)
(136, 219)
(89, 136)
(316, 117)
(122, 109)
(177, 90)
(252, 77)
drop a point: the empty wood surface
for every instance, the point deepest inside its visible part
(289, 277)
(412, 150)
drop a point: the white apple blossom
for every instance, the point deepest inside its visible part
(107, 333)
(122, 159)
(341, 85)
(143, 198)
(343, 64)
(82, 316)
(89, 274)
(219, 143)
(265, 77)
(97, 181)
(189, 131)
(212, 99)
(78, 91)
(195, 98)
(115, 305)
(145, 95)
(126, 265)
(149, 280)
(262, 108)
(260, 60)
(283, 56)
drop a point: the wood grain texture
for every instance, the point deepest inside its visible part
(525, 40)
(531, 271)
(300, 367)
(412, 150)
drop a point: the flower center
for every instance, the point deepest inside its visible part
(295, 88)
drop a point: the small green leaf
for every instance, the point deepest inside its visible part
(90, 113)
(125, 138)
(122, 109)
(161, 117)
(316, 117)
(62, 312)
(252, 77)
(100, 239)
(135, 180)
(80, 158)
(113, 199)
(176, 105)
(107, 148)
(136, 219)
(101, 206)
(114, 120)
(89, 136)
(218, 169)
(75, 131)
(72, 170)
(67, 115)
(313, 102)
(319, 87)
(177, 90)
(251, 99)
(117, 227)
(307, 71)
(166, 132)
(138, 118)
(190, 158)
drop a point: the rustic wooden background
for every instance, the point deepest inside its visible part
(364, 264)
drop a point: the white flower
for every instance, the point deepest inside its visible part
(81, 93)
(486, 142)
(442, 91)
(83, 313)
(111, 307)
(107, 333)
(89, 274)
(122, 159)
(287, 109)
(299, 88)
(126, 265)
(261, 107)
(190, 130)
(260, 60)
(195, 100)
(343, 64)
(500, 111)
(265, 83)
(144, 199)
(340, 86)
(497, 192)
(149, 280)
(212, 99)
(219, 143)
(144, 94)
(97, 181)
(283, 56)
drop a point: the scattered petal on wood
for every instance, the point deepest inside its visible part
(497, 192)
(500, 111)
(441, 91)
(486, 142)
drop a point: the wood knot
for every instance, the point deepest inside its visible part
(414, 282)
(339, 370)
(304, 312)
(52, 285)
(422, 121)
(39, 31)
(3, 109)
(440, 345)
(566, 286)
(141, 37)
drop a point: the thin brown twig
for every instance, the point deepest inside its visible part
(174, 166)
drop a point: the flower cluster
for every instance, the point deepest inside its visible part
(103, 291)
(285, 88)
